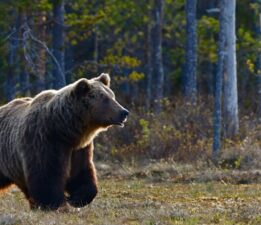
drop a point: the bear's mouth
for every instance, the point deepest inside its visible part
(121, 123)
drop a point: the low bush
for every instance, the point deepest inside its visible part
(181, 132)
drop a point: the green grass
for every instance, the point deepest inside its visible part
(142, 201)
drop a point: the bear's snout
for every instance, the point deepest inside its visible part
(123, 117)
(124, 113)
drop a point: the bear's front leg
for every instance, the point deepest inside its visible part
(46, 184)
(45, 192)
(82, 185)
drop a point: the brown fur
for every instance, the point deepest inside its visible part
(39, 138)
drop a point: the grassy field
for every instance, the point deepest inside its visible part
(143, 201)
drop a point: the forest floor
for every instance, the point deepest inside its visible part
(151, 197)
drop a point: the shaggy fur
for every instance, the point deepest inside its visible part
(46, 141)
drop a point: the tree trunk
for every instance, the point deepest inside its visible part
(12, 61)
(157, 14)
(259, 71)
(23, 76)
(218, 83)
(149, 68)
(58, 43)
(10, 80)
(68, 62)
(190, 79)
(230, 69)
(41, 64)
(259, 90)
(96, 46)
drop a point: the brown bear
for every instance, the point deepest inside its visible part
(46, 142)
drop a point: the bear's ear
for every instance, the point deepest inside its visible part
(104, 78)
(81, 88)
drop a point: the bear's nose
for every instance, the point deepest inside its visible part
(125, 113)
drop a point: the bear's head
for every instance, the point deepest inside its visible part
(96, 102)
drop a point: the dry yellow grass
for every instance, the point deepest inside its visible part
(142, 201)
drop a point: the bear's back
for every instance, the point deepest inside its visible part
(15, 107)
(11, 116)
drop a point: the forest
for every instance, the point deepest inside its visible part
(189, 72)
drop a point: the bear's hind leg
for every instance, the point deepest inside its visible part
(82, 185)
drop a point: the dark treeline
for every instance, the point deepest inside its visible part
(154, 50)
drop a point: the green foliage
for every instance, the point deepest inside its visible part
(119, 28)
(135, 76)
(82, 20)
(248, 47)
(250, 65)
(144, 139)
(122, 61)
(208, 28)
